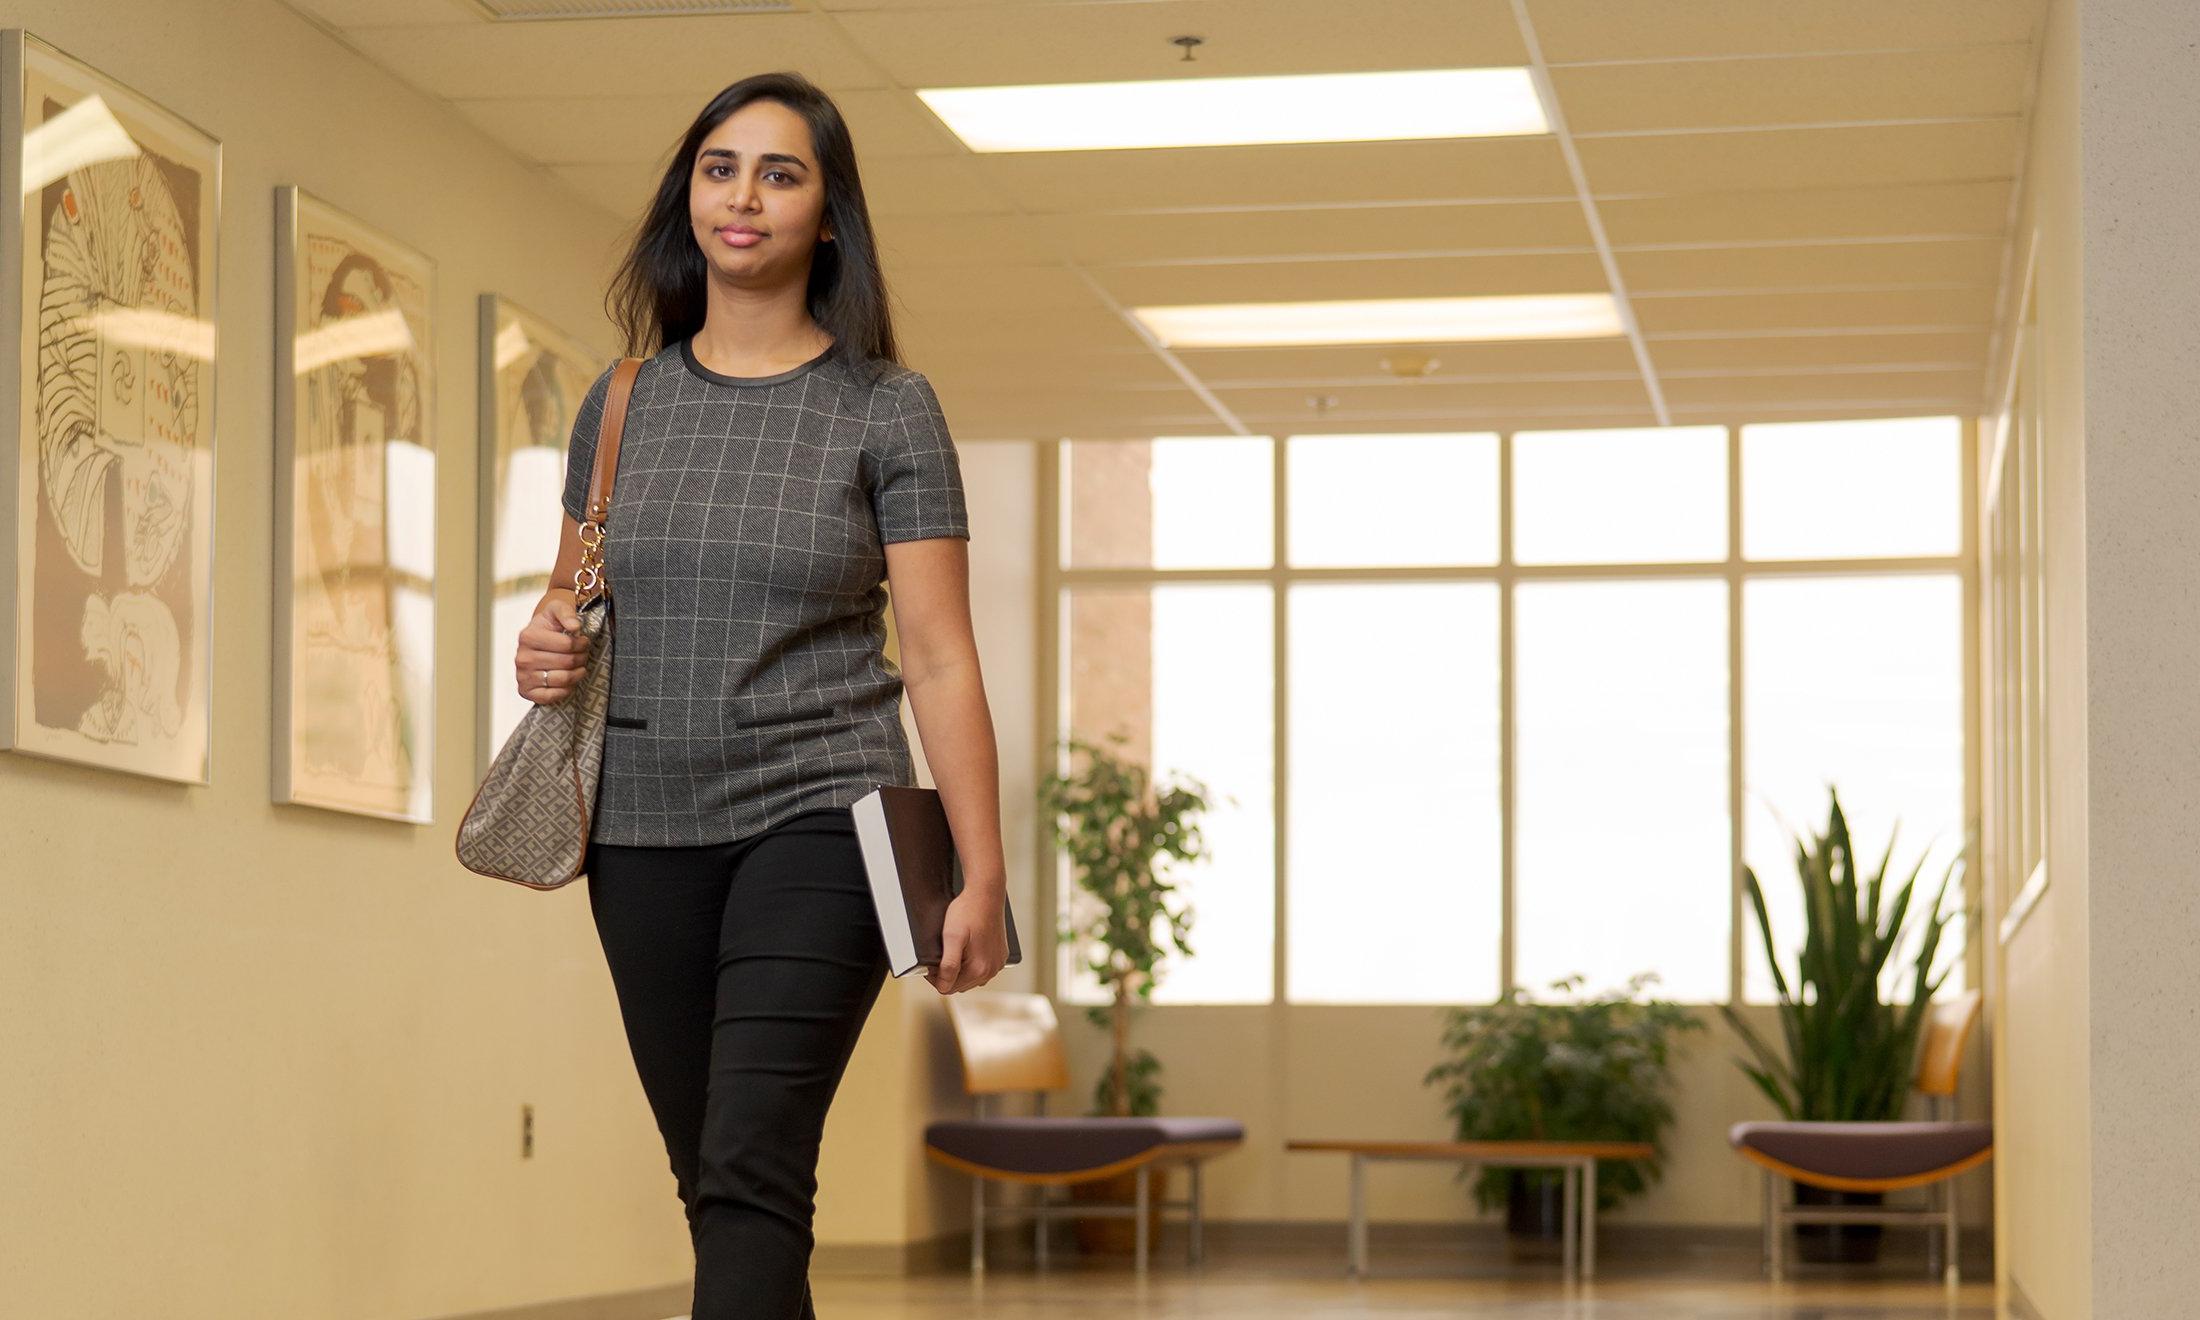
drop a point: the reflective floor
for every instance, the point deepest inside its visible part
(1307, 1282)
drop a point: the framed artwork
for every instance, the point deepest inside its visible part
(107, 278)
(354, 516)
(532, 379)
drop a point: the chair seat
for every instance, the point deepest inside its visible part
(1041, 1145)
(1864, 1151)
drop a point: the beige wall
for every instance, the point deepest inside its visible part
(272, 1058)
(2139, 126)
(2098, 1041)
(2040, 1017)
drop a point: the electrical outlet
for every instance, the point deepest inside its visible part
(526, 1132)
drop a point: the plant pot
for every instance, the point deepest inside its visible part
(1837, 1244)
(1535, 1215)
(1117, 1234)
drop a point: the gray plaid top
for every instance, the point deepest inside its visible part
(744, 551)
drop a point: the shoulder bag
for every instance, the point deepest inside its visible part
(529, 821)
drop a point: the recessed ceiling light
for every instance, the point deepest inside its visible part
(1213, 112)
(1384, 321)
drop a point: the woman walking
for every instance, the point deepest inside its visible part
(779, 466)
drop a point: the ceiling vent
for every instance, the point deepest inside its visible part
(521, 11)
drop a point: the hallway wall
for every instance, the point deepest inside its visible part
(265, 1060)
(2043, 1066)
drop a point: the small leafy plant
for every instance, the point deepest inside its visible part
(1594, 1070)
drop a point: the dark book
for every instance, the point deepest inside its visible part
(909, 853)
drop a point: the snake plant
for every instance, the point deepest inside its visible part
(1849, 1055)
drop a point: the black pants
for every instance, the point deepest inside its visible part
(744, 972)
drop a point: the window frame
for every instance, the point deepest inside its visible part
(1053, 579)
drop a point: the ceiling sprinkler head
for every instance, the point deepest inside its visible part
(1408, 365)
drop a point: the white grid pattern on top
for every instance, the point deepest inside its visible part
(745, 555)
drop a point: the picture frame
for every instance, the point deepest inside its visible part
(533, 377)
(355, 508)
(109, 274)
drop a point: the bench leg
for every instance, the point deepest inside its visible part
(1589, 1219)
(977, 1224)
(1039, 1229)
(1192, 1249)
(1140, 1234)
(1355, 1229)
(1954, 1276)
(1775, 1229)
(1569, 1202)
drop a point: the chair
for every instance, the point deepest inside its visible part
(1013, 1042)
(1879, 1157)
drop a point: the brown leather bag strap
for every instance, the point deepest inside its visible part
(607, 439)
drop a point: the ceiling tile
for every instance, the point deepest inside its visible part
(1362, 363)
(1975, 261)
(1675, 29)
(952, 328)
(923, 242)
(1335, 232)
(372, 13)
(1429, 398)
(656, 55)
(1798, 353)
(1801, 158)
(1062, 43)
(1976, 208)
(983, 290)
(1712, 316)
(1972, 81)
(1558, 412)
(1284, 281)
(1955, 389)
(1301, 173)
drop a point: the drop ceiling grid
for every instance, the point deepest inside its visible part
(1829, 258)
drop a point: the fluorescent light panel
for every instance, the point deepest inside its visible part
(1384, 321)
(1215, 112)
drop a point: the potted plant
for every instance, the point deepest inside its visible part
(1848, 1054)
(1590, 1070)
(1123, 834)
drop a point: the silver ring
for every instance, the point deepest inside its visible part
(545, 676)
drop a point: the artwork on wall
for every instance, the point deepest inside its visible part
(532, 379)
(355, 502)
(107, 278)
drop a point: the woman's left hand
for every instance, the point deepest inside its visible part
(974, 943)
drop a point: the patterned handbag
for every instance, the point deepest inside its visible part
(529, 821)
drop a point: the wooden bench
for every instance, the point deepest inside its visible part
(1575, 1160)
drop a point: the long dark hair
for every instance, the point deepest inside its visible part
(658, 296)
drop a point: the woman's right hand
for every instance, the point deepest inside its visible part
(552, 656)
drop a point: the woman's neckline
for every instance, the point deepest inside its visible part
(697, 369)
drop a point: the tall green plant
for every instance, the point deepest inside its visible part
(1849, 1055)
(1595, 1070)
(1117, 827)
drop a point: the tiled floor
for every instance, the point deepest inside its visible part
(1239, 1284)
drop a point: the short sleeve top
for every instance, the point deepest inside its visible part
(745, 555)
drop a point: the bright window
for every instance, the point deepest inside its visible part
(1846, 490)
(1184, 673)
(1362, 501)
(1624, 839)
(1396, 892)
(1620, 497)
